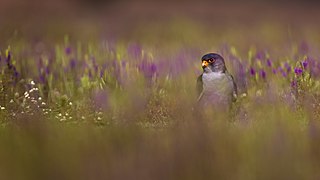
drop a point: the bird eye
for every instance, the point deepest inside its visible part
(210, 60)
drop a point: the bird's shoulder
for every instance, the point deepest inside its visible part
(235, 88)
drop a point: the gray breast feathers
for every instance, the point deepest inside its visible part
(217, 88)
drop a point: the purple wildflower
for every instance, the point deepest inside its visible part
(148, 69)
(274, 71)
(10, 66)
(283, 73)
(263, 74)
(123, 63)
(252, 71)
(269, 63)
(16, 74)
(153, 68)
(298, 71)
(102, 73)
(260, 55)
(73, 63)
(293, 83)
(90, 74)
(95, 68)
(47, 70)
(305, 64)
(68, 50)
(287, 66)
(42, 79)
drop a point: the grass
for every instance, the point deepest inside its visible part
(126, 109)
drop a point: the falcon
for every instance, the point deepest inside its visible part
(215, 86)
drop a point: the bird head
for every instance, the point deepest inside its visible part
(213, 62)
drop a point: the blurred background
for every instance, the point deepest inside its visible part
(87, 19)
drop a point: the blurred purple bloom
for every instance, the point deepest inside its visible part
(10, 66)
(42, 79)
(47, 70)
(260, 55)
(274, 71)
(123, 63)
(73, 63)
(283, 73)
(263, 74)
(147, 68)
(102, 73)
(298, 71)
(287, 66)
(16, 74)
(293, 83)
(96, 68)
(252, 71)
(90, 74)
(68, 50)
(269, 63)
(305, 64)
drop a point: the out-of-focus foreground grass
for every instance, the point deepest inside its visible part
(276, 147)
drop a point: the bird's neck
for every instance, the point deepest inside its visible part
(217, 68)
(214, 70)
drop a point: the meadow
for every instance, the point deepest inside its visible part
(124, 108)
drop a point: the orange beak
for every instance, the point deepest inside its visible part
(204, 64)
